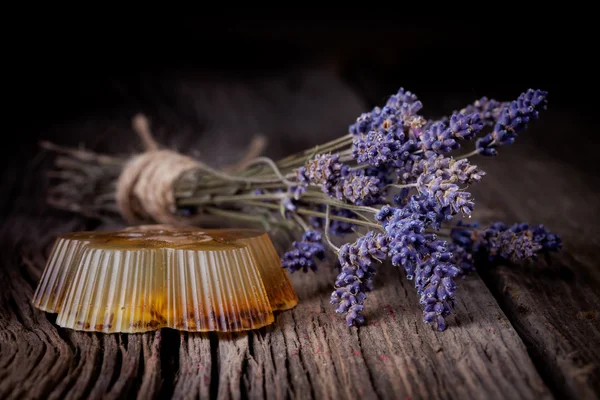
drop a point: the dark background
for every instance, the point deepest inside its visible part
(62, 70)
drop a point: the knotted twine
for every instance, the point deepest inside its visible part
(145, 186)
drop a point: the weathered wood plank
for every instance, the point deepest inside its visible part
(554, 303)
(194, 371)
(396, 356)
(40, 360)
(308, 352)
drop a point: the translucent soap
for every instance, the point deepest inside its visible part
(158, 276)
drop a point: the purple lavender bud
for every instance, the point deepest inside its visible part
(302, 176)
(487, 109)
(324, 170)
(384, 174)
(297, 191)
(355, 279)
(464, 234)
(502, 242)
(486, 146)
(402, 96)
(304, 253)
(513, 120)
(437, 138)
(442, 137)
(429, 317)
(359, 188)
(289, 204)
(383, 213)
(374, 148)
(440, 181)
(408, 110)
(425, 259)
(549, 241)
(390, 135)
(465, 127)
(462, 259)
(365, 122)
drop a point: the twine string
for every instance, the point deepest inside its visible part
(145, 187)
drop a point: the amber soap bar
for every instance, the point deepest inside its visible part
(158, 276)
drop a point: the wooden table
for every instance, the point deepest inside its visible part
(528, 332)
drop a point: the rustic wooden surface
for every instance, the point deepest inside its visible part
(518, 333)
(555, 304)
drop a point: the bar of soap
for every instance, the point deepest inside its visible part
(149, 277)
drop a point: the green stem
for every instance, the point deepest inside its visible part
(245, 217)
(361, 215)
(475, 152)
(317, 214)
(359, 167)
(230, 199)
(301, 222)
(336, 203)
(394, 185)
(327, 222)
(232, 178)
(319, 148)
(181, 193)
(270, 163)
(311, 197)
(301, 158)
(471, 154)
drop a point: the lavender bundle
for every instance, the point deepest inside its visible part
(388, 190)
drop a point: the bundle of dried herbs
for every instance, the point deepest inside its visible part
(390, 189)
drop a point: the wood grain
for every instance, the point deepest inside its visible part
(308, 352)
(553, 303)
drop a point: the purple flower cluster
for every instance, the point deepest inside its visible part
(512, 120)
(389, 138)
(374, 119)
(376, 148)
(304, 254)
(487, 109)
(499, 241)
(324, 170)
(395, 147)
(443, 138)
(340, 182)
(360, 189)
(356, 276)
(440, 179)
(462, 259)
(425, 259)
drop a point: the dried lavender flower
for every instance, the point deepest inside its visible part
(513, 120)
(443, 137)
(324, 170)
(359, 188)
(356, 276)
(440, 180)
(304, 254)
(397, 147)
(487, 109)
(424, 258)
(497, 242)
(375, 148)
(394, 180)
